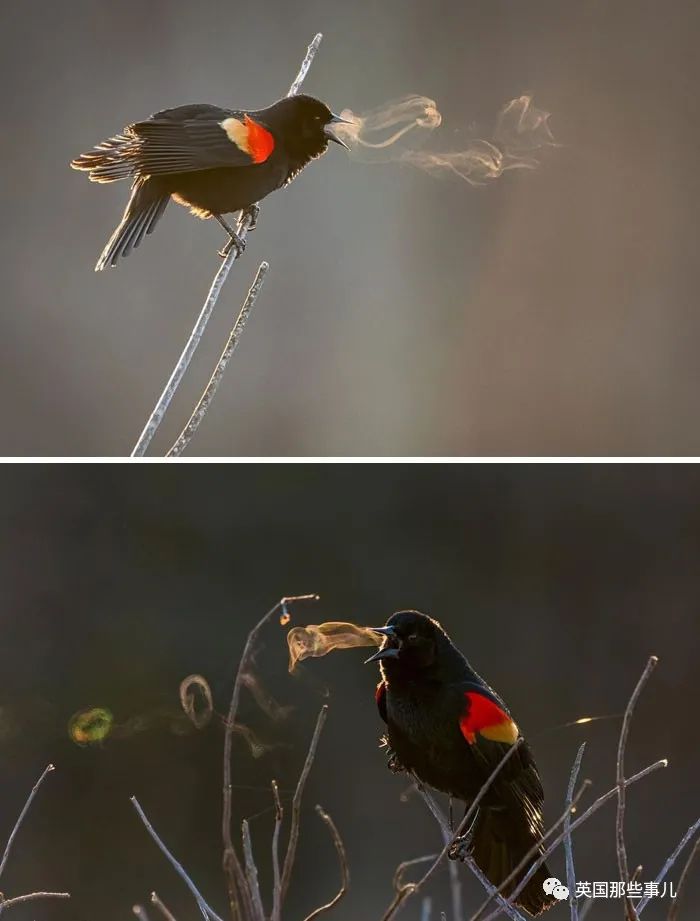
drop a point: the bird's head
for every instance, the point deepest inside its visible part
(305, 123)
(411, 642)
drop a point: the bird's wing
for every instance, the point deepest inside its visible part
(197, 137)
(380, 697)
(489, 730)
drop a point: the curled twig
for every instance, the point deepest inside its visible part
(342, 860)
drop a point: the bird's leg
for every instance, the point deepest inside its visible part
(461, 847)
(234, 239)
(252, 212)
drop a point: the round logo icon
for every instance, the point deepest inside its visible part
(552, 886)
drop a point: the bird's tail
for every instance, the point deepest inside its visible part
(500, 840)
(109, 161)
(143, 211)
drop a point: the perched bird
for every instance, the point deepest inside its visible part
(448, 727)
(214, 161)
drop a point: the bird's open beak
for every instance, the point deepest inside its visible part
(388, 652)
(330, 134)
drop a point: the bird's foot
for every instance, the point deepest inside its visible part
(234, 241)
(394, 764)
(252, 212)
(461, 847)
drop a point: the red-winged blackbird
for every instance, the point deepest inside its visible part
(451, 729)
(213, 160)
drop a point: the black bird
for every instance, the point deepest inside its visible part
(215, 161)
(446, 725)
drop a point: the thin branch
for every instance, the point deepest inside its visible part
(553, 845)
(676, 903)
(29, 897)
(402, 867)
(276, 879)
(217, 284)
(206, 911)
(342, 860)
(450, 837)
(426, 908)
(568, 844)
(630, 911)
(25, 810)
(251, 872)
(509, 909)
(296, 805)
(237, 884)
(202, 407)
(162, 908)
(305, 64)
(670, 862)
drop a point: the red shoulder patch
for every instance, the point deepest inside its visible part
(484, 716)
(261, 143)
(380, 697)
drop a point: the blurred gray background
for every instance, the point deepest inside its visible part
(557, 583)
(552, 312)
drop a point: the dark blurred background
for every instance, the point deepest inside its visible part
(557, 583)
(551, 312)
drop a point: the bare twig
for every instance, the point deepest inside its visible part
(251, 872)
(305, 64)
(592, 809)
(568, 844)
(630, 911)
(162, 908)
(449, 837)
(509, 909)
(296, 805)
(276, 879)
(29, 897)
(140, 912)
(426, 909)
(676, 903)
(25, 810)
(202, 407)
(217, 284)
(402, 867)
(342, 860)
(237, 885)
(670, 862)
(207, 912)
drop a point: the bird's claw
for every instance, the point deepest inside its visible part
(394, 764)
(252, 213)
(234, 241)
(460, 847)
